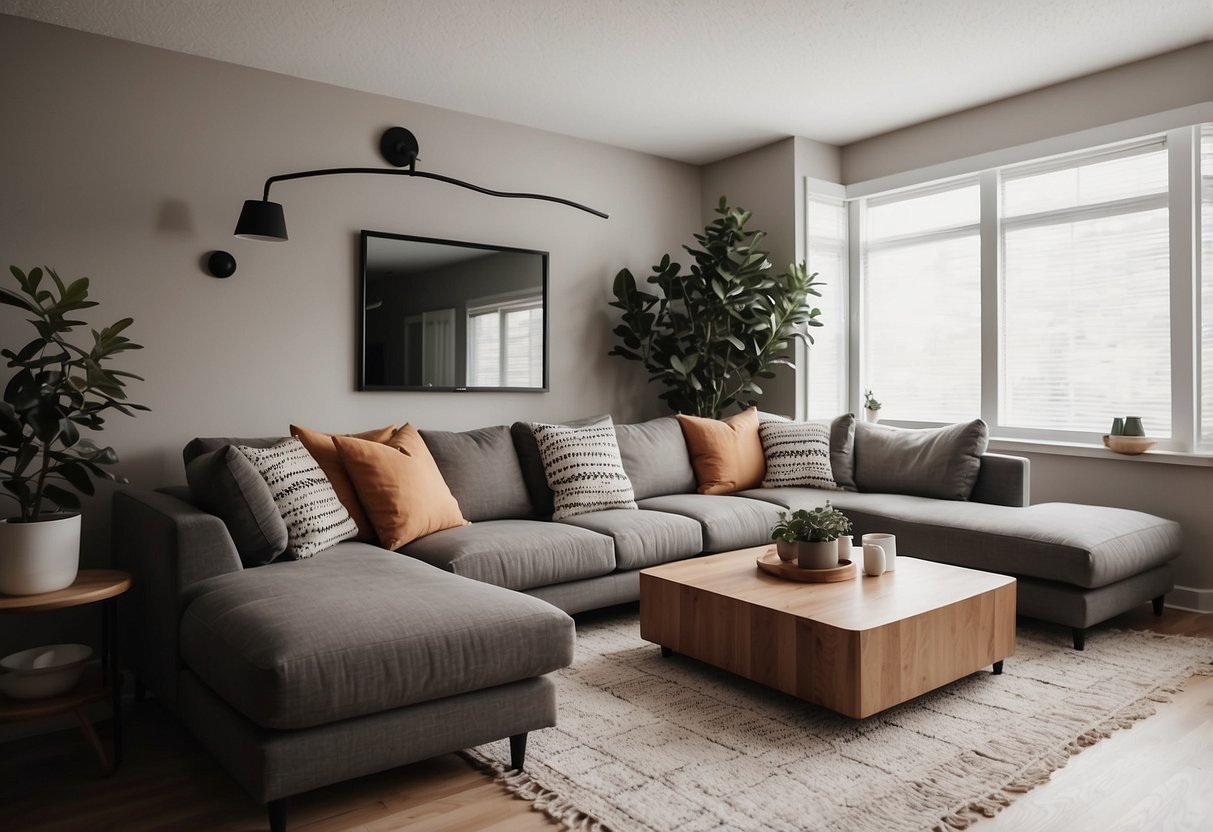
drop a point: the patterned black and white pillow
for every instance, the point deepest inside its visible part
(583, 468)
(797, 454)
(315, 518)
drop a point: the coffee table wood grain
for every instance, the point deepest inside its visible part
(856, 647)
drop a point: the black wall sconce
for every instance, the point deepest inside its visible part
(220, 264)
(264, 220)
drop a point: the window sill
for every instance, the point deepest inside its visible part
(1037, 446)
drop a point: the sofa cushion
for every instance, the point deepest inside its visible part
(644, 538)
(224, 482)
(842, 450)
(200, 445)
(728, 522)
(400, 486)
(386, 631)
(315, 519)
(583, 469)
(321, 447)
(482, 471)
(725, 453)
(655, 457)
(532, 463)
(517, 554)
(797, 453)
(935, 462)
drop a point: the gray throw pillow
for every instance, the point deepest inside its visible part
(842, 450)
(225, 483)
(655, 457)
(482, 470)
(937, 462)
(532, 463)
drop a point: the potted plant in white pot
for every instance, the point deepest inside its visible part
(811, 537)
(871, 407)
(56, 389)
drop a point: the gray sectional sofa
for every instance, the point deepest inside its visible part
(299, 674)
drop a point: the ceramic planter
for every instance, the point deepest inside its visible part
(871, 415)
(816, 555)
(39, 557)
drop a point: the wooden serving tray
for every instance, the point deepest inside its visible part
(770, 563)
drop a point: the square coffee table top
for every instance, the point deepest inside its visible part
(915, 587)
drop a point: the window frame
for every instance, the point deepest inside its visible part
(1183, 201)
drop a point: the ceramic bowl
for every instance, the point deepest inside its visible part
(1128, 444)
(41, 672)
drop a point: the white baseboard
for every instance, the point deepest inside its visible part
(1192, 600)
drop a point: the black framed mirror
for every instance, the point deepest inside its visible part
(444, 315)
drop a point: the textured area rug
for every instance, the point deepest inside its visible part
(651, 743)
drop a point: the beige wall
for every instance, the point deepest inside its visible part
(127, 163)
(1176, 79)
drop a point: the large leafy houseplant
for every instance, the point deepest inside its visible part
(57, 389)
(709, 335)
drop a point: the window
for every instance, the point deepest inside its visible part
(505, 342)
(921, 332)
(827, 257)
(1206, 284)
(1047, 297)
(1085, 293)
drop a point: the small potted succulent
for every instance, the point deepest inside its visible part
(811, 537)
(871, 407)
(57, 391)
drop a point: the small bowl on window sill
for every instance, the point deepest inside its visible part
(1128, 444)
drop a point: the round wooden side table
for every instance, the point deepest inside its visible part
(91, 586)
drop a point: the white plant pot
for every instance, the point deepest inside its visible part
(39, 557)
(871, 415)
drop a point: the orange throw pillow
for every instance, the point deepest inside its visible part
(726, 454)
(321, 447)
(400, 486)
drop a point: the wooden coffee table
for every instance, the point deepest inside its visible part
(856, 647)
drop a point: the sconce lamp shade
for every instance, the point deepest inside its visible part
(261, 220)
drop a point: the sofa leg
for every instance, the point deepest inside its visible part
(1080, 637)
(1158, 602)
(277, 812)
(517, 751)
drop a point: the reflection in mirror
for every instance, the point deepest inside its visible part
(445, 315)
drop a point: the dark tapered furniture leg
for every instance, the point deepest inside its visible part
(1080, 637)
(517, 751)
(1157, 602)
(277, 810)
(666, 652)
(997, 668)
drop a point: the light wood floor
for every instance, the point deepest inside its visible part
(1158, 776)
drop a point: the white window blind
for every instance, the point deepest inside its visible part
(1085, 293)
(505, 343)
(827, 256)
(922, 303)
(1206, 284)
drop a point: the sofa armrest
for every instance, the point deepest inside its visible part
(168, 545)
(1002, 481)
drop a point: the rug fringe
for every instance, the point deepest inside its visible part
(521, 785)
(1039, 772)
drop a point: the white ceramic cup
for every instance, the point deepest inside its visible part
(844, 547)
(887, 542)
(873, 559)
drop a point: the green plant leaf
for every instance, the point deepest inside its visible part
(61, 497)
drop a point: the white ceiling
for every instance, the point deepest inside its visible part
(695, 80)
